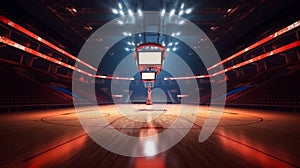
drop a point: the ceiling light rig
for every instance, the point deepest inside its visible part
(123, 10)
(181, 12)
(135, 40)
(132, 43)
(171, 46)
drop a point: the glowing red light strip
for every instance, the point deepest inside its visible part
(51, 59)
(260, 57)
(273, 36)
(41, 55)
(114, 77)
(36, 37)
(255, 59)
(187, 77)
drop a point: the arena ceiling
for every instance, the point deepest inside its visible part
(228, 23)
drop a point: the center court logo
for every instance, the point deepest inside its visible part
(90, 114)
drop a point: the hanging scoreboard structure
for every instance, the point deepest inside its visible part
(150, 55)
(149, 59)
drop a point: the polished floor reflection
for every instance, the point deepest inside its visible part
(243, 138)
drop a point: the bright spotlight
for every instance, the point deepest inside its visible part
(181, 22)
(188, 11)
(140, 12)
(120, 6)
(74, 10)
(163, 12)
(130, 12)
(172, 12)
(120, 22)
(122, 13)
(115, 11)
(181, 12)
(182, 6)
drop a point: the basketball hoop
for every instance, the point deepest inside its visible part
(149, 59)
